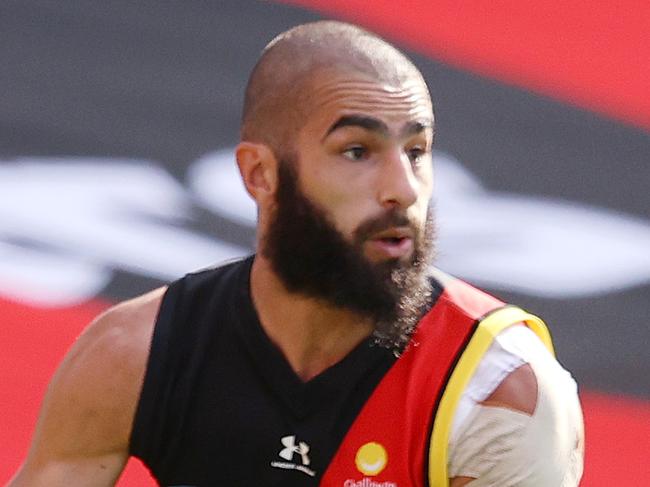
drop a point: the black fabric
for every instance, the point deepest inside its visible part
(218, 396)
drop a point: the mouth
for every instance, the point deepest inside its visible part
(393, 240)
(394, 243)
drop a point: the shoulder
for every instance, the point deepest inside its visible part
(85, 420)
(115, 346)
(92, 397)
(118, 337)
(107, 361)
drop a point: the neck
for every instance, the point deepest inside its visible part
(313, 335)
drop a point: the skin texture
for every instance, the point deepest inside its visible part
(355, 172)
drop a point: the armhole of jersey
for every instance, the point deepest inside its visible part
(143, 439)
(488, 328)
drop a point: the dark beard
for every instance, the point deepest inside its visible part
(312, 258)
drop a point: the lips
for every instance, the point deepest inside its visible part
(393, 243)
(397, 233)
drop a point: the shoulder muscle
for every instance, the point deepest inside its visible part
(85, 421)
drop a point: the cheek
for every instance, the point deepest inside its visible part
(348, 219)
(344, 195)
(347, 209)
(425, 194)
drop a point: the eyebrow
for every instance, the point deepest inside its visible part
(412, 128)
(368, 123)
(374, 125)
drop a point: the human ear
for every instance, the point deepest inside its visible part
(257, 166)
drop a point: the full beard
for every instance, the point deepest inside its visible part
(312, 258)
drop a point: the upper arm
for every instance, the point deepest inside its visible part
(529, 432)
(83, 430)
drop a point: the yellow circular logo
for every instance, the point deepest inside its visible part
(371, 458)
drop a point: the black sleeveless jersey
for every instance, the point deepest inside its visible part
(220, 406)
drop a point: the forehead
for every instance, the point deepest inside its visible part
(333, 94)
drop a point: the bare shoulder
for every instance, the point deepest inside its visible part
(122, 332)
(105, 367)
(109, 357)
(85, 421)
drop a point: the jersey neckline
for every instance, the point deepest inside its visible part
(301, 397)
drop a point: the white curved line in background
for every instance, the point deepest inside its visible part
(45, 278)
(67, 223)
(92, 216)
(535, 245)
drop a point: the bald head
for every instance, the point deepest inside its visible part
(277, 99)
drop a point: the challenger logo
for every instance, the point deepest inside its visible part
(371, 459)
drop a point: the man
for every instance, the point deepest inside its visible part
(335, 355)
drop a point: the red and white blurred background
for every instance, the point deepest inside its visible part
(117, 120)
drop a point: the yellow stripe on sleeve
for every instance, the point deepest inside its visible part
(487, 330)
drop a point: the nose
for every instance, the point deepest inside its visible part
(399, 185)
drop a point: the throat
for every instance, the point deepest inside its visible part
(312, 347)
(311, 334)
(312, 366)
(308, 362)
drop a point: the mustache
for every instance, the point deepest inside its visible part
(390, 219)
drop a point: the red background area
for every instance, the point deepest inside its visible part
(34, 340)
(592, 54)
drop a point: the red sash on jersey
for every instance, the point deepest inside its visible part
(388, 442)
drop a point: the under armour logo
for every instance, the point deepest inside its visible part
(301, 449)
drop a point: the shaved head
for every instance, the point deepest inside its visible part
(277, 99)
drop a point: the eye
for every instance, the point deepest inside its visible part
(355, 153)
(415, 153)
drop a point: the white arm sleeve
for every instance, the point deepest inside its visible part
(502, 447)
